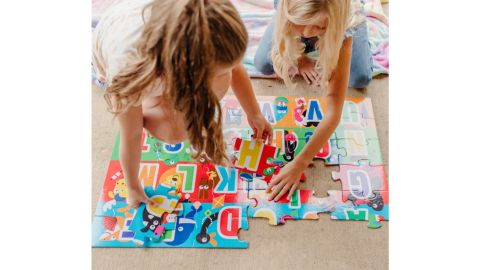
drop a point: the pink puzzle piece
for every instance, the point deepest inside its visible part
(360, 182)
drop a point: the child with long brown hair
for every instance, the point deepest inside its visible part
(166, 65)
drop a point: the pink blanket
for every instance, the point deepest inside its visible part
(256, 14)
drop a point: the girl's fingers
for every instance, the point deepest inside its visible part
(272, 183)
(310, 76)
(259, 133)
(305, 77)
(292, 190)
(277, 189)
(284, 190)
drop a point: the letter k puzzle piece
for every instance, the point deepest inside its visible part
(256, 157)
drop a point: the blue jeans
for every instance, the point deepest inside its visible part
(361, 65)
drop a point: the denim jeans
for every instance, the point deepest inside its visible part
(361, 65)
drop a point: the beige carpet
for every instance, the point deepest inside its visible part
(321, 244)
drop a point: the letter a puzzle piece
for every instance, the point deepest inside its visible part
(255, 156)
(360, 182)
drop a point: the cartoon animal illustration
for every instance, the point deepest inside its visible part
(290, 146)
(375, 201)
(203, 237)
(206, 185)
(172, 178)
(152, 223)
(118, 196)
(299, 112)
(281, 107)
(184, 225)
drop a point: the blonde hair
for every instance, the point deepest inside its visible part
(288, 48)
(182, 42)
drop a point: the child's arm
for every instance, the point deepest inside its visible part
(243, 90)
(131, 128)
(288, 178)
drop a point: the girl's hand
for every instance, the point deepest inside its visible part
(261, 128)
(306, 68)
(287, 180)
(137, 196)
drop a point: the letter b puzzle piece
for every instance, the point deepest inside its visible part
(255, 157)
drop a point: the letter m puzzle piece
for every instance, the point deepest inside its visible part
(255, 157)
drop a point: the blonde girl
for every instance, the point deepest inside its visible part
(325, 41)
(166, 64)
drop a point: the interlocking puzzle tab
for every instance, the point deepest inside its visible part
(202, 205)
(303, 205)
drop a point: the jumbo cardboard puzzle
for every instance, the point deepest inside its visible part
(202, 205)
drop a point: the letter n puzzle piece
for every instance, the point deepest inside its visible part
(255, 156)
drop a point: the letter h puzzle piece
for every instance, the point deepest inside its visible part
(256, 157)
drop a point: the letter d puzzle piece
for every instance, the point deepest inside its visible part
(255, 156)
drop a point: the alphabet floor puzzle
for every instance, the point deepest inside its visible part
(203, 205)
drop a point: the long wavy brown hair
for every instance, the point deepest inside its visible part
(182, 43)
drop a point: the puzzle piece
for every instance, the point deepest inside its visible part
(303, 205)
(361, 181)
(219, 227)
(336, 153)
(255, 157)
(355, 152)
(373, 209)
(147, 222)
(171, 154)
